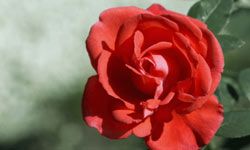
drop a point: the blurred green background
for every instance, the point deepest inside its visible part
(44, 67)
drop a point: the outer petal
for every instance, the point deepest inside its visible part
(214, 58)
(186, 25)
(97, 111)
(205, 121)
(189, 131)
(103, 33)
(201, 85)
(157, 9)
(176, 135)
(203, 77)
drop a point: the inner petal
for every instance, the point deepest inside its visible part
(143, 81)
(161, 66)
(146, 65)
(138, 41)
(141, 32)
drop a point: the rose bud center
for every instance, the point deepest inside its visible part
(149, 69)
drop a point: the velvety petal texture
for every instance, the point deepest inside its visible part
(102, 34)
(189, 131)
(157, 71)
(97, 110)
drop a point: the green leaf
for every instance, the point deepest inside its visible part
(229, 42)
(195, 11)
(215, 144)
(242, 104)
(231, 96)
(214, 13)
(203, 9)
(236, 124)
(238, 26)
(225, 95)
(219, 18)
(244, 80)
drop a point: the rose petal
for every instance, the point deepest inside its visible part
(160, 10)
(198, 23)
(195, 91)
(202, 49)
(179, 68)
(154, 28)
(161, 68)
(185, 97)
(103, 73)
(183, 44)
(175, 135)
(145, 83)
(106, 29)
(192, 29)
(214, 58)
(190, 131)
(157, 9)
(151, 104)
(205, 121)
(203, 79)
(115, 79)
(138, 41)
(157, 46)
(97, 112)
(123, 115)
(168, 98)
(157, 29)
(143, 129)
(185, 24)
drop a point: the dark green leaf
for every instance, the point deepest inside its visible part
(219, 18)
(214, 13)
(225, 94)
(244, 80)
(238, 26)
(242, 104)
(229, 42)
(203, 9)
(236, 124)
(242, 143)
(231, 95)
(195, 11)
(215, 144)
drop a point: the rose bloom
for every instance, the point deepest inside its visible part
(157, 71)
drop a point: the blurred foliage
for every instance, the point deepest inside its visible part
(229, 42)
(229, 20)
(244, 80)
(236, 124)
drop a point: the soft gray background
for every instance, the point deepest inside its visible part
(43, 69)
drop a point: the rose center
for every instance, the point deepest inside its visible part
(159, 66)
(150, 74)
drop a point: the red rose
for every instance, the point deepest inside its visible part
(157, 72)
